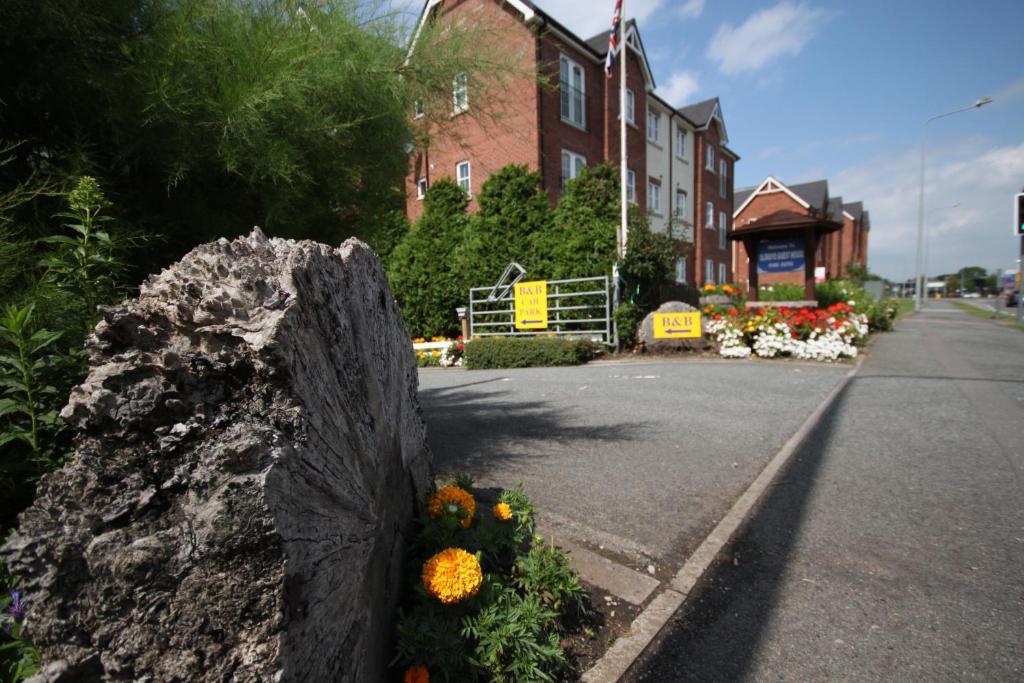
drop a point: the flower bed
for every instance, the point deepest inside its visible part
(805, 333)
(488, 598)
(438, 352)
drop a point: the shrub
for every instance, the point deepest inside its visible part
(526, 352)
(882, 314)
(627, 320)
(836, 291)
(783, 291)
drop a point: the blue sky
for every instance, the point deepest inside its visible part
(840, 90)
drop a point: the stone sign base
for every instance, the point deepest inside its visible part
(647, 340)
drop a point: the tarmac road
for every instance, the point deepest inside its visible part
(892, 548)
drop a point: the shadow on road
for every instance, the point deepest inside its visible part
(716, 635)
(477, 431)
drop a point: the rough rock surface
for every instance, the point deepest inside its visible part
(645, 334)
(250, 457)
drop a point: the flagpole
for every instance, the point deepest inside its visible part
(624, 170)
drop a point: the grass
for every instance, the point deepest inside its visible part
(1004, 317)
(906, 306)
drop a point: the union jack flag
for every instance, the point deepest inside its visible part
(613, 39)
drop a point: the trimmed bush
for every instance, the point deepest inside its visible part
(526, 352)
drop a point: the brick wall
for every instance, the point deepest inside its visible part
(706, 189)
(500, 126)
(764, 205)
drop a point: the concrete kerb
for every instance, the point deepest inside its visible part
(625, 651)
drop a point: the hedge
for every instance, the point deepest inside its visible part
(526, 352)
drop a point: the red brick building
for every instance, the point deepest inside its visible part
(560, 113)
(835, 252)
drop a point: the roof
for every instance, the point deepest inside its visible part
(700, 112)
(783, 220)
(739, 197)
(835, 208)
(599, 44)
(867, 221)
(814, 193)
(855, 209)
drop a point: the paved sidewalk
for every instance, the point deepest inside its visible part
(892, 548)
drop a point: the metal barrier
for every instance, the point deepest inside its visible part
(578, 307)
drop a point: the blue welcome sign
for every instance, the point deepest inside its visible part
(780, 256)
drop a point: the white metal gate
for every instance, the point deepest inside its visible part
(577, 307)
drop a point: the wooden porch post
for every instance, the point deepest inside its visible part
(810, 250)
(750, 244)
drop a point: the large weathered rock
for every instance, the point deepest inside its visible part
(645, 335)
(250, 456)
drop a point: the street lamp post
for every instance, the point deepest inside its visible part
(920, 200)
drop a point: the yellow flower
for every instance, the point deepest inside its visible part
(452, 575)
(450, 499)
(503, 512)
(727, 289)
(416, 674)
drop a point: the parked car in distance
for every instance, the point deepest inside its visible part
(968, 295)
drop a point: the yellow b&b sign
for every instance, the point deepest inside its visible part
(676, 325)
(532, 305)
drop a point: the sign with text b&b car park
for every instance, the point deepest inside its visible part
(532, 305)
(676, 325)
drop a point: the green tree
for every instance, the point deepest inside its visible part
(424, 268)
(581, 241)
(514, 211)
(648, 264)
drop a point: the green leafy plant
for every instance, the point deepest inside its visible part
(18, 658)
(545, 571)
(526, 352)
(781, 291)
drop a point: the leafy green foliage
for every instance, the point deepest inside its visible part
(627, 321)
(513, 213)
(526, 352)
(648, 264)
(782, 291)
(510, 630)
(835, 291)
(18, 658)
(424, 268)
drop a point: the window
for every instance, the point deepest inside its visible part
(417, 107)
(573, 90)
(631, 187)
(709, 272)
(654, 197)
(460, 93)
(681, 270)
(723, 225)
(723, 169)
(721, 274)
(572, 165)
(709, 215)
(681, 204)
(421, 188)
(709, 161)
(653, 124)
(630, 107)
(680, 143)
(462, 176)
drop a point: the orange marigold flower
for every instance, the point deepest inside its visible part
(450, 499)
(503, 512)
(452, 575)
(416, 674)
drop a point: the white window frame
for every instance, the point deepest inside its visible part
(573, 112)
(680, 142)
(630, 107)
(722, 275)
(709, 215)
(723, 175)
(709, 271)
(653, 126)
(653, 197)
(421, 188)
(460, 93)
(468, 187)
(680, 211)
(723, 225)
(573, 163)
(709, 157)
(631, 187)
(417, 107)
(681, 270)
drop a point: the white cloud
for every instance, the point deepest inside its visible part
(784, 29)
(679, 88)
(691, 9)
(976, 233)
(587, 19)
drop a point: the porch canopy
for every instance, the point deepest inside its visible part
(774, 242)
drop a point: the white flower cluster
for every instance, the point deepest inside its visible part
(450, 357)
(776, 339)
(729, 338)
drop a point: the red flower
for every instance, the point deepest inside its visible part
(733, 311)
(716, 316)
